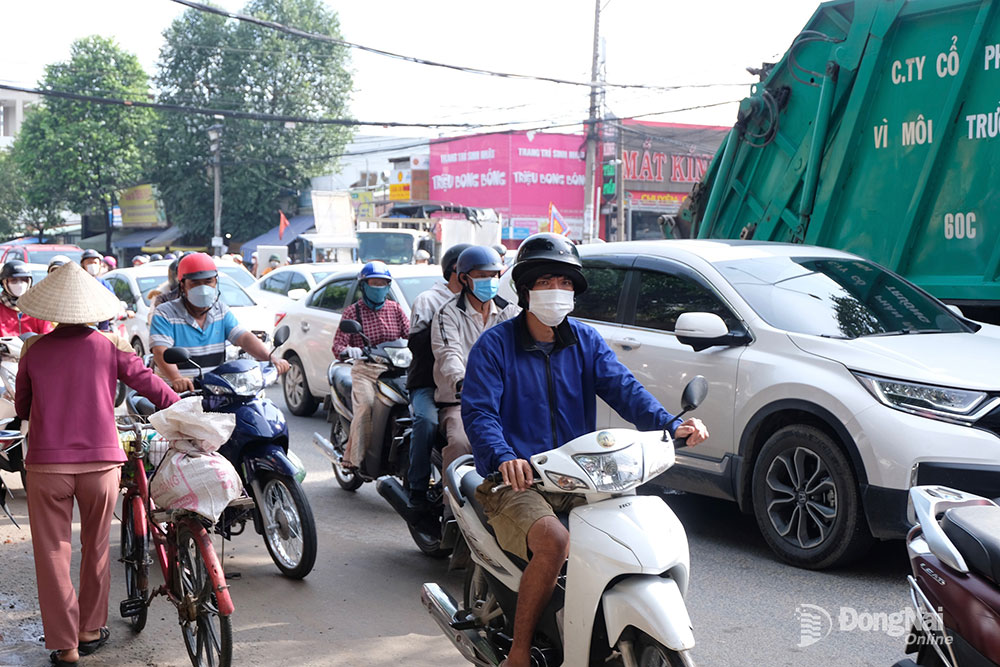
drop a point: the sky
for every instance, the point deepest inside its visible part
(652, 42)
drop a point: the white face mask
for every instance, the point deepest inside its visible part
(550, 306)
(94, 268)
(17, 289)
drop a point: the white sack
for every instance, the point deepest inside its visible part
(199, 482)
(187, 420)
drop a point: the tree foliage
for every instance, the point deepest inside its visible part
(76, 154)
(209, 61)
(16, 214)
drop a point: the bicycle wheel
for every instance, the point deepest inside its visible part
(208, 635)
(133, 557)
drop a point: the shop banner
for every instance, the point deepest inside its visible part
(141, 207)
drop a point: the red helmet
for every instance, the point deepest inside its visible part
(196, 266)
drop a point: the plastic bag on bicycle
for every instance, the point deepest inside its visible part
(186, 420)
(201, 483)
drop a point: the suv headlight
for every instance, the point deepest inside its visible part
(612, 472)
(247, 383)
(945, 403)
(399, 356)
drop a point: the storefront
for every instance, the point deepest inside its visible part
(521, 174)
(654, 166)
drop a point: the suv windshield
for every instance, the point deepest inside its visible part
(837, 298)
(389, 247)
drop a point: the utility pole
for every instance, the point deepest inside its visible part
(589, 215)
(215, 136)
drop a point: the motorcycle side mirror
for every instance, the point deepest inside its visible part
(281, 335)
(176, 355)
(350, 326)
(694, 393)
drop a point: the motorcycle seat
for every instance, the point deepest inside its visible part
(975, 532)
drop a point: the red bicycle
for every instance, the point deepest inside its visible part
(193, 576)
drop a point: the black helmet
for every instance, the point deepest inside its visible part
(155, 257)
(542, 254)
(478, 257)
(450, 257)
(90, 253)
(14, 269)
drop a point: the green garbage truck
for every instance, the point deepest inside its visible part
(878, 133)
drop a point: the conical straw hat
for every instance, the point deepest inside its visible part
(70, 295)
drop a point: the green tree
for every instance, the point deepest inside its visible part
(16, 214)
(208, 61)
(78, 154)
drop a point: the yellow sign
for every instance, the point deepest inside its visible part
(399, 186)
(141, 207)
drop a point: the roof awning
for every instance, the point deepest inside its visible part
(135, 239)
(296, 226)
(330, 241)
(166, 240)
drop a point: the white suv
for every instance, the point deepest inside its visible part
(835, 385)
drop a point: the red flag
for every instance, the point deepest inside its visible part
(282, 224)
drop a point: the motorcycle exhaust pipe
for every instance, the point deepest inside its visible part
(326, 448)
(389, 488)
(469, 643)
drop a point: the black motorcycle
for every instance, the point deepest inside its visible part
(388, 457)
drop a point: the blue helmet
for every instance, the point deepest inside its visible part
(478, 257)
(374, 270)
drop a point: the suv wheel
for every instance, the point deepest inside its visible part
(806, 500)
(299, 400)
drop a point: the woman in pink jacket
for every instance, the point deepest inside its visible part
(66, 387)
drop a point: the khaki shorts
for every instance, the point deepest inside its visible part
(512, 513)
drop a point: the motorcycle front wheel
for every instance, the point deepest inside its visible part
(289, 527)
(651, 653)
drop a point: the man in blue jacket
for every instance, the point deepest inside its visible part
(531, 384)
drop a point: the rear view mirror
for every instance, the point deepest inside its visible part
(694, 393)
(281, 335)
(176, 355)
(350, 326)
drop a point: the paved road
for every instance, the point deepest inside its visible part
(361, 604)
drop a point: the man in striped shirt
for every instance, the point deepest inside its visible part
(199, 322)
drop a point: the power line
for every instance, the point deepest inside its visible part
(226, 113)
(274, 25)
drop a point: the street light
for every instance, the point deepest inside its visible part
(215, 136)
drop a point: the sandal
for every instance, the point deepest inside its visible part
(86, 648)
(59, 662)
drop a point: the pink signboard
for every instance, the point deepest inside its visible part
(518, 174)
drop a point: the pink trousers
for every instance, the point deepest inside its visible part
(50, 509)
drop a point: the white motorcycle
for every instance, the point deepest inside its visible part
(620, 598)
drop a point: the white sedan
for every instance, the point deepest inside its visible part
(290, 283)
(314, 319)
(132, 286)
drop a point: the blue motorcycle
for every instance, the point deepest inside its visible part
(258, 449)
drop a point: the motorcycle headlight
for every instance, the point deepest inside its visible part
(944, 403)
(246, 383)
(399, 356)
(612, 472)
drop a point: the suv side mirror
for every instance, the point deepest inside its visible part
(704, 330)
